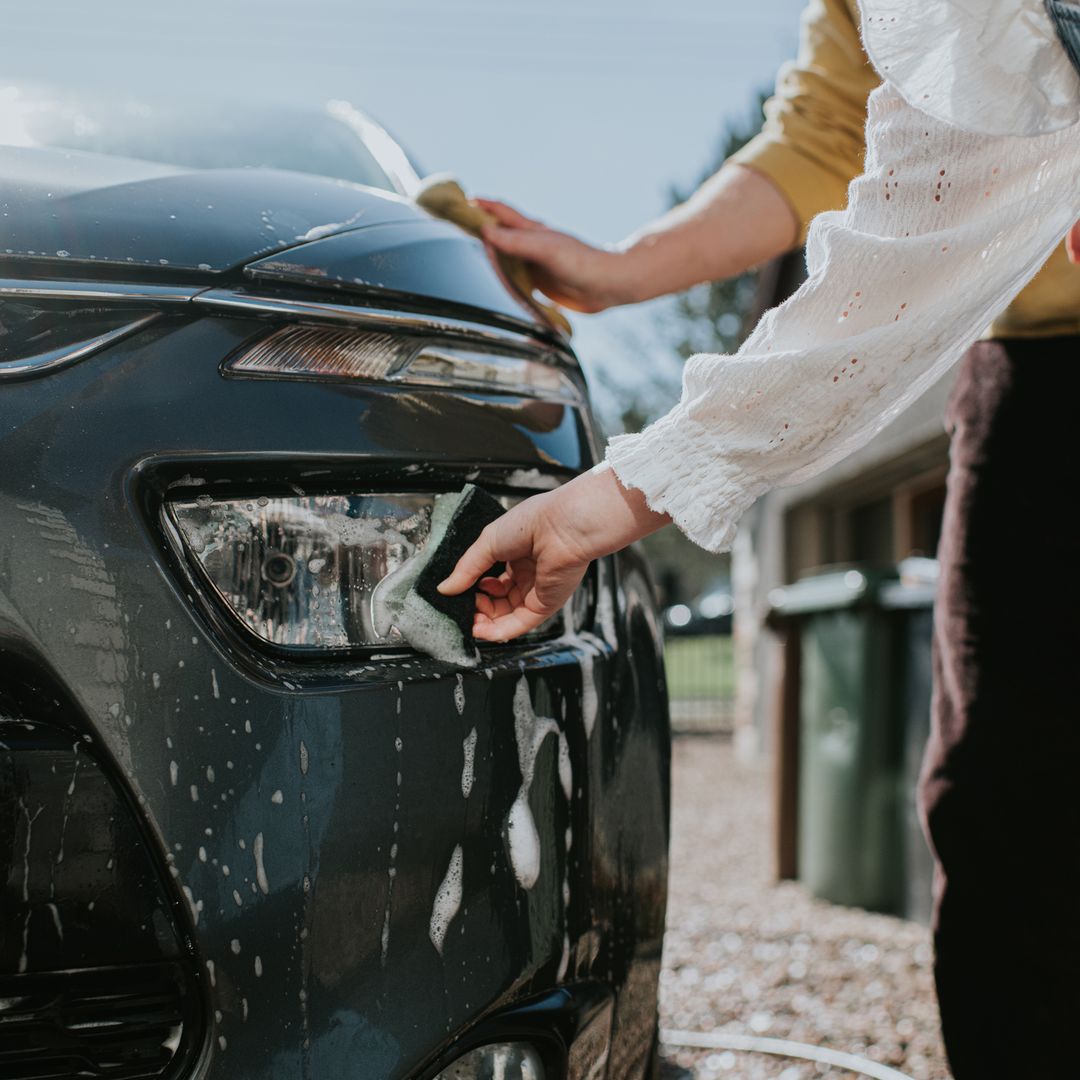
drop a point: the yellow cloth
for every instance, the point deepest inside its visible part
(812, 146)
(443, 197)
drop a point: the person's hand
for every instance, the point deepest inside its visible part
(1072, 243)
(567, 270)
(547, 543)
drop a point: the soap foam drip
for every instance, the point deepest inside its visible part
(260, 869)
(530, 731)
(467, 769)
(605, 613)
(459, 695)
(590, 704)
(391, 872)
(588, 647)
(524, 841)
(566, 769)
(447, 900)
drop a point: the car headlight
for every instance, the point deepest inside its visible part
(497, 1061)
(302, 573)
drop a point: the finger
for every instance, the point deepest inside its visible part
(515, 598)
(1072, 243)
(494, 586)
(471, 565)
(485, 605)
(500, 606)
(511, 625)
(507, 215)
(525, 244)
(518, 575)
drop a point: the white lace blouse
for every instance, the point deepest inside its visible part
(972, 178)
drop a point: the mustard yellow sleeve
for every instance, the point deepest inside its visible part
(812, 143)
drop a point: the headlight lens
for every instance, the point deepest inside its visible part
(302, 572)
(499, 1061)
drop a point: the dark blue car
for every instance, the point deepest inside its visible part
(245, 830)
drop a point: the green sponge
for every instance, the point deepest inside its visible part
(409, 598)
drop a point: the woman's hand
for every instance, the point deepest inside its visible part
(1072, 243)
(570, 272)
(547, 543)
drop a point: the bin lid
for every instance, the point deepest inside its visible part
(911, 583)
(832, 590)
(916, 587)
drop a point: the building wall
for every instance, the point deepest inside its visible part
(877, 505)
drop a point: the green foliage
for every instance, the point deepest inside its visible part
(711, 317)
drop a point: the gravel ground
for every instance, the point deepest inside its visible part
(744, 954)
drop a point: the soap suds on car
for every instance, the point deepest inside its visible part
(447, 900)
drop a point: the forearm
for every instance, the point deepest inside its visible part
(736, 220)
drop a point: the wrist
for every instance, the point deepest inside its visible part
(602, 516)
(631, 272)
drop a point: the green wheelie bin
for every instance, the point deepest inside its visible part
(850, 840)
(863, 719)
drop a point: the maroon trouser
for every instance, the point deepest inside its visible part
(1001, 779)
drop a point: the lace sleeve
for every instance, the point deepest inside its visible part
(941, 231)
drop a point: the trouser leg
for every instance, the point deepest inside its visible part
(1001, 779)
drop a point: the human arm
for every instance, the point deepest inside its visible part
(757, 206)
(735, 220)
(940, 232)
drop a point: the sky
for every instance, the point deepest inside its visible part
(583, 114)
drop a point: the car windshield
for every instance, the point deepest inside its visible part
(310, 142)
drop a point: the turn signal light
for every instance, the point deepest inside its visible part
(318, 352)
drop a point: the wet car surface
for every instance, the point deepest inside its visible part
(243, 833)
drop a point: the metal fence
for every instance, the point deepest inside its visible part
(701, 682)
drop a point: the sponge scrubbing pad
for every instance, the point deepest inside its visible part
(409, 598)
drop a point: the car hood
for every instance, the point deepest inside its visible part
(73, 210)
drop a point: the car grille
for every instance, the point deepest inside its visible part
(125, 1023)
